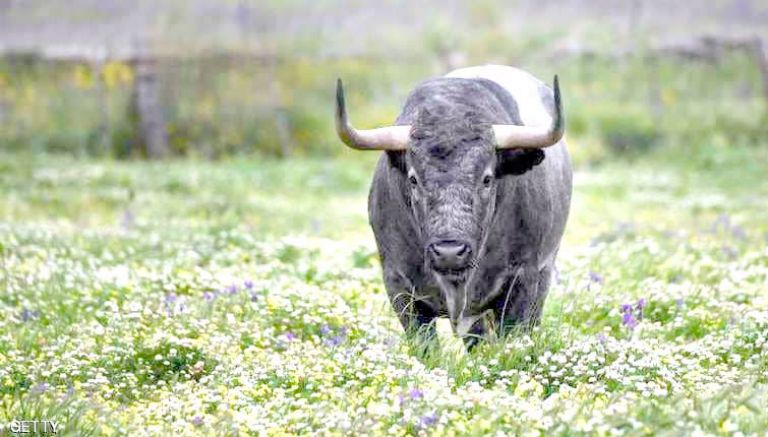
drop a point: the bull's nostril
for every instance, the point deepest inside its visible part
(450, 254)
(463, 250)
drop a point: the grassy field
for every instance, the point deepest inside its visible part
(244, 297)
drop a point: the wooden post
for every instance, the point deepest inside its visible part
(103, 130)
(282, 124)
(147, 107)
(761, 58)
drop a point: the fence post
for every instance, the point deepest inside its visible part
(147, 107)
(282, 123)
(761, 57)
(103, 140)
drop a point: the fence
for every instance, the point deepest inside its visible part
(221, 104)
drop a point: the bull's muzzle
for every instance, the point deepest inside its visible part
(450, 255)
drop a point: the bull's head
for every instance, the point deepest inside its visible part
(451, 166)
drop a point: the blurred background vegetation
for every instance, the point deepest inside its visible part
(255, 77)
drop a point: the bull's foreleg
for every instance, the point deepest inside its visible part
(521, 305)
(418, 319)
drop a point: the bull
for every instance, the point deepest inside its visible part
(470, 200)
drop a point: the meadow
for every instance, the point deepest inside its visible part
(243, 297)
(227, 291)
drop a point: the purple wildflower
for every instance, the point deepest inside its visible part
(628, 320)
(27, 315)
(198, 421)
(400, 399)
(334, 341)
(627, 315)
(428, 419)
(40, 388)
(679, 302)
(127, 220)
(248, 284)
(738, 232)
(596, 277)
(290, 336)
(232, 289)
(208, 296)
(640, 305)
(341, 335)
(415, 393)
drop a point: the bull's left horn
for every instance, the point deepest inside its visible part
(530, 137)
(384, 138)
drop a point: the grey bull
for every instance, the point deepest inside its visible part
(470, 199)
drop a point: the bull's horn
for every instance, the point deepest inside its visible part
(529, 137)
(384, 138)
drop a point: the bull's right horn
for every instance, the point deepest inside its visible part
(384, 138)
(533, 137)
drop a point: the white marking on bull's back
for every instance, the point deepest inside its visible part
(523, 86)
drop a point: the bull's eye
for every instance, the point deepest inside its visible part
(487, 179)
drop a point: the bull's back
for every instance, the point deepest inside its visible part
(529, 93)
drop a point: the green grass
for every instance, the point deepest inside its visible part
(204, 298)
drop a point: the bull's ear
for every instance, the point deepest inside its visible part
(397, 160)
(517, 161)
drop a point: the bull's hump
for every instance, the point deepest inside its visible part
(528, 92)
